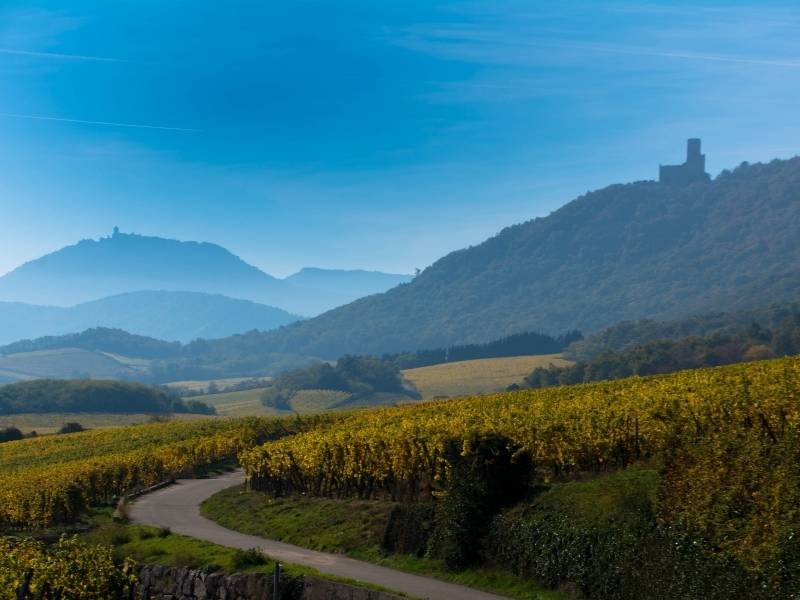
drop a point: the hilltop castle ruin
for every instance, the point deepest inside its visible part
(694, 169)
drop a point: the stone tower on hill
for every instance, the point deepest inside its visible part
(694, 169)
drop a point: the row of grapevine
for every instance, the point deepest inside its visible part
(693, 422)
(67, 569)
(54, 479)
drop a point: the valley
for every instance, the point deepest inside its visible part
(456, 300)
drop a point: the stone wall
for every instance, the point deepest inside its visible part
(315, 588)
(181, 583)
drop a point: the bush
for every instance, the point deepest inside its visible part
(10, 434)
(120, 538)
(164, 532)
(71, 427)
(408, 529)
(602, 537)
(480, 481)
(242, 559)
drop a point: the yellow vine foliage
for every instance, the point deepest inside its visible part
(727, 437)
(69, 567)
(53, 479)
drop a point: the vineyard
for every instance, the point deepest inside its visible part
(726, 438)
(54, 479)
(67, 569)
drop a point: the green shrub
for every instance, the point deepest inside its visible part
(120, 538)
(71, 427)
(408, 529)
(602, 537)
(252, 557)
(479, 483)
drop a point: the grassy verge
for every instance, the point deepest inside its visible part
(150, 545)
(352, 527)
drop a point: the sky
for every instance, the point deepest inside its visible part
(362, 134)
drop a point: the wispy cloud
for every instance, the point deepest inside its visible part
(99, 123)
(495, 47)
(59, 56)
(701, 56)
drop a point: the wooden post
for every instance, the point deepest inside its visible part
(276, 582)
(22, 592)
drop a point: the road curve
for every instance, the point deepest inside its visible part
(178, 507)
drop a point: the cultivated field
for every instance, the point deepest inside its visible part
(44, 423)
(203, 384)
(481, 376)
(67, 363)
(246, 403)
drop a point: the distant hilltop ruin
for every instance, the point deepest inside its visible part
(694, 169)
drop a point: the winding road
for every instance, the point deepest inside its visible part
(178, 507)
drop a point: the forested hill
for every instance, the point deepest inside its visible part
(641, 250)
(123, 263)
(100, 339)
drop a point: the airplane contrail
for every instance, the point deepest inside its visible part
(101, 123)
(59, 55)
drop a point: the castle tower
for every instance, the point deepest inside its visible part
(693, 155)
(694, 169)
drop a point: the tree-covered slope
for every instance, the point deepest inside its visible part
(93, 269)
(53, 395)
(99, 339)
(180, 316)
(640, 250)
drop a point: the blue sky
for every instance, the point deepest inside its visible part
(375, 135)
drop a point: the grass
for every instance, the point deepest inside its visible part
(65, 363)
(203, 384)
(473, 377)
(351, 527)
(46, 423)
(310, 401)
(341, 526)
(246, 403)
(611, 500)
(150, 545)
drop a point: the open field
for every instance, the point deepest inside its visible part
(481, 376)
(309, 401)
(43, 423)
(203, 384)
(67, 363)
(246, 403)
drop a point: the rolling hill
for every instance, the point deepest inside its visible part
(175, 316)
(122, 263)
(103, 353)
(639, 250)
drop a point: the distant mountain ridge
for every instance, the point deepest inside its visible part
(123, 262)
(625, 252)
(173, 316)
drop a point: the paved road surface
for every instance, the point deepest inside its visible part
(178, 507)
